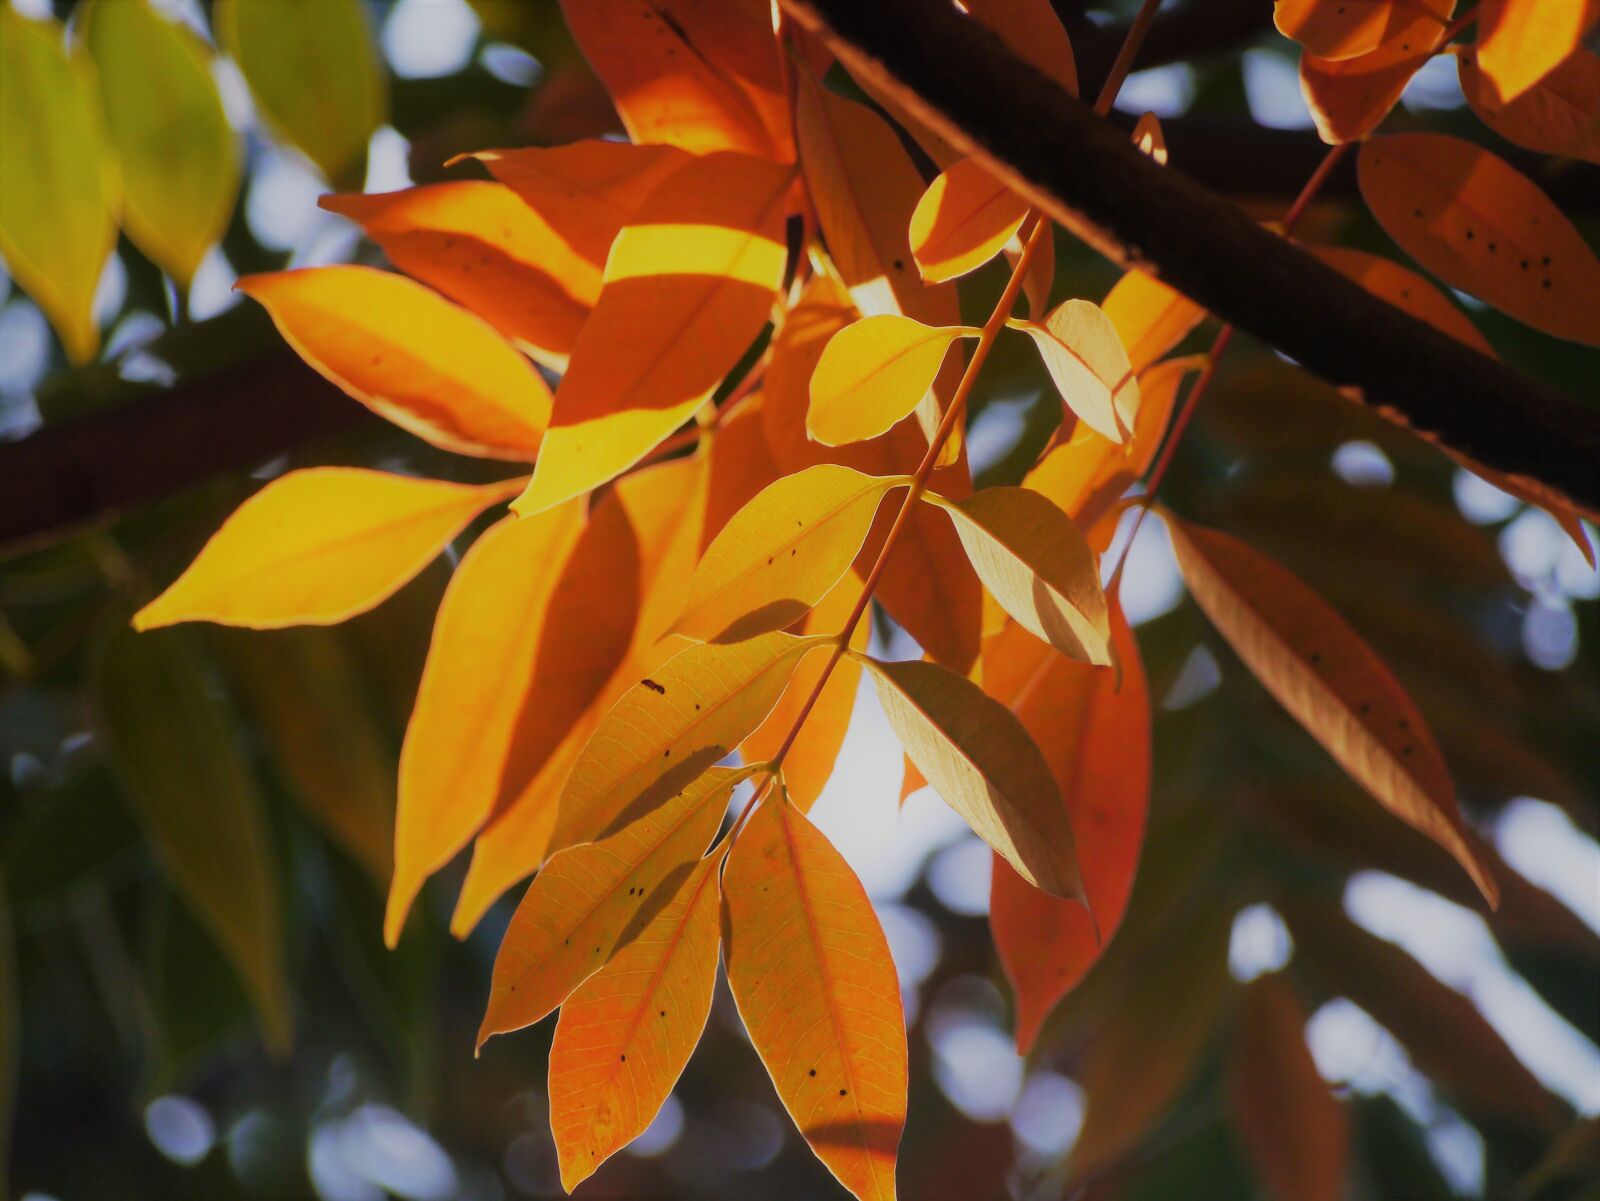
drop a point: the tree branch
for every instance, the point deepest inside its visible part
(1085, 173)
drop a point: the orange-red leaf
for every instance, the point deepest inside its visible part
(1149, 138)
(1406, 290)
(963, 220)
(1560, 114)
(811, 974)
(1521, 41)
(1340, 29)
(1350, 97)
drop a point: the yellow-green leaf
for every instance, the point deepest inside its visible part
(873, 374)
(178, 156)
(782, 553)
(317, 546)
(980, 760)
(58, 198)
(963, 220)
(1085, 357)
(316, 79)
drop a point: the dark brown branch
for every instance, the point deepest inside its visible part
(1084, 172)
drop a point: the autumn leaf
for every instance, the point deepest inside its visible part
(983, 764)
(1332, 683)
(963, 220)
(317, 546)
(1481, 226)
(1347, 28)
(1085, 357)
(873, 374)
(1149, 138)
(591, 900)
(740, 465)
(812, 976)
(1406, 290)
(1560, 114)
(1520, 42)
(1149, 317)
(410, 356)
(1350, 97)
(688, 286)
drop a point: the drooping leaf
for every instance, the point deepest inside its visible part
(1480, 225)
(1340, 29)
(1406, 290)
(625, 1034)
(699, 74)
(782, 553)
(591, 900)
(1095, 736)
(177, 155)
(812, 977)
(963, 220)
(193, 792)
(1149, 317)
(410, 356)
(1520, 42)
(57, 204)
(1560, 114)
(317, 80)
(1084, 354)
(688, 286)
(1035, 562)
(1350, 97)
(317, 546)
(983, 764)
(1332, 683)
(873, 374)
(1149, 138)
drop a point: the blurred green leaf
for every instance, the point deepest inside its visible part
(64, 839)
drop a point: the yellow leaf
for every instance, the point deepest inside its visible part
(591, 900)
(410, 356)
(58, 200)
(812, 976)
(1035, 562)
(1332, 683)
(671, 726)
(782, 553)
(982, 763)
(688, 286)
(1521, 41)
(624, 1036)
(1150, 318)
(1480, 225)
(873, 374)
(316, 80)
(1149, 138)
(1406, 290)
(317, 546)
(1084, 354)
(1340, 29)
(1350, 97)
(178, 156)
(963, 220)
(1560, 114)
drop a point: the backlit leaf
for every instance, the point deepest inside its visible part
(782, 553)
(1406, 290)
(873, 374)
(1149, 317)
(1035, 562)
(57, 204)
(317, 546)
(1084, 354)
(1520, 42)
(1340, 29)
(593, 899)
(1149, 138)
(410, 356)
(177, 154)
(624, 1036)
(1480, 225)
(963, 220)
(983, 764)
(1350, 97)
(814, 982)
(1560, 114)
(316, 80)
(740, 466)
(688, 286)
(1332, 683)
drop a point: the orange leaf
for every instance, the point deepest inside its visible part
(1350, 97)
(1559, 115)
(1521, 41)
(624, 1037)
(812, 977)
(410, 356)
(1084, 354)
(1406, 290)
(1480, 225)
(963, 220)
(1332, 683)
(1096, 739)
(1340, 29)
(688, 286)
(1147, 136)
(1150, 318)
(317, 546)
(740, 466)
(700, 74)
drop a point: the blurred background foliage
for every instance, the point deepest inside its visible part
(195, 824)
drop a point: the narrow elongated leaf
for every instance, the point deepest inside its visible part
(1520, 42)
(59, 198)
(317, 80)
(317, 546)
(782, 553)
(873, 374)
(624, 1037)
(178, 157)
(983, 764)
(1320, 670)
(671, 726)
(1406, 290)
(700, 74)
(1035, 562)
(814, 982)
(1085, 357)
(410, 356)
(194, 794)
(592, 899)
(1340, 29)
(688, 286)
(1480, 225)
(1296, 1132)
(1149, 317)
(1350, 97)
(963, 220)
(1560, 114)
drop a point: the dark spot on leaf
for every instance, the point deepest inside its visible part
(1523, 264)
(1316, 656)
(1545, 262)
(658, 689)
(899, 264)
(813, 1071)
(842, 1093)
(663, 1013)
(623, 1058)
(1470, 235)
